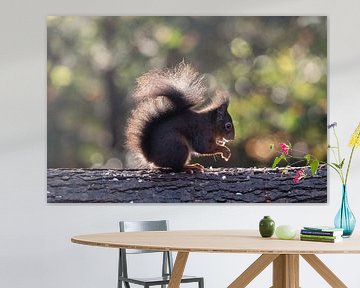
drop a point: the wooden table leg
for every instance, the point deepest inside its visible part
(178, 269)
(293, 261)
(324, 271)
(253, 270)
(286, 271)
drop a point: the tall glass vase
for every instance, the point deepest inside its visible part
(345, 219)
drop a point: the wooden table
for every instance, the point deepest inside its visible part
(284, 254)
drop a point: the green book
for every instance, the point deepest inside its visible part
(325, 240)
(319, 236)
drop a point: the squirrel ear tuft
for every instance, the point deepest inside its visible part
(221, 111)
(221, 103)
(221, 97)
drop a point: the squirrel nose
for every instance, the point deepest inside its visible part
(232, 135)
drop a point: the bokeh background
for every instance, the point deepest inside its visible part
(274, 67)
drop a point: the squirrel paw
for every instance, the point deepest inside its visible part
(191, 168)
(227, 157)
(226, 154)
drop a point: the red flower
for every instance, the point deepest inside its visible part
(300, 174)
(284, 148)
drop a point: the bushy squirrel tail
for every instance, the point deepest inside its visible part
(182, 86)
(160, 94)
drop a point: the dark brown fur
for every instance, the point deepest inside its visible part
(164, 128)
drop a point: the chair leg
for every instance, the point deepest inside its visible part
(119, 270)
(201, 283)
(126, 284)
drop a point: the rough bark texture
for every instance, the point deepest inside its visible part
(238, 185)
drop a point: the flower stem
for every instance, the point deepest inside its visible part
(339, 160)
(348, 166)
(337, 142)
(334, 154)
(337, 171)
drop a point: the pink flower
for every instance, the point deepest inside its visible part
(300, 174)
(284, 148)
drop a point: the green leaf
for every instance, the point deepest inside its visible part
(342, 164)
(339, 166)
(307, 158)
(314, 166)
(277, 160)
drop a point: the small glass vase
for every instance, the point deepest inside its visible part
(345, 219)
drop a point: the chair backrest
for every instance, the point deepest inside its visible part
(134, 226)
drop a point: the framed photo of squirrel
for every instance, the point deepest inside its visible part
(187, 109)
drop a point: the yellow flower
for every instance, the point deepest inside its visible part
(355, 138)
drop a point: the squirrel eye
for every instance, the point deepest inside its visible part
(228, 126)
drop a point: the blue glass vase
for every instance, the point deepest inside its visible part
(345, 219)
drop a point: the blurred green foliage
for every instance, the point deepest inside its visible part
(274, 67)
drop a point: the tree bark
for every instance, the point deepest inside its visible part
(238, 185)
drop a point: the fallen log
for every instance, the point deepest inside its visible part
(223, 185)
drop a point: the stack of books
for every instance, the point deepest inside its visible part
(321, 234)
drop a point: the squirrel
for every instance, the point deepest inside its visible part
(165, 129)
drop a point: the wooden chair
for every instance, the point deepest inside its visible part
(167, 262)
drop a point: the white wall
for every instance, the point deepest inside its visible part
(35, 248)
